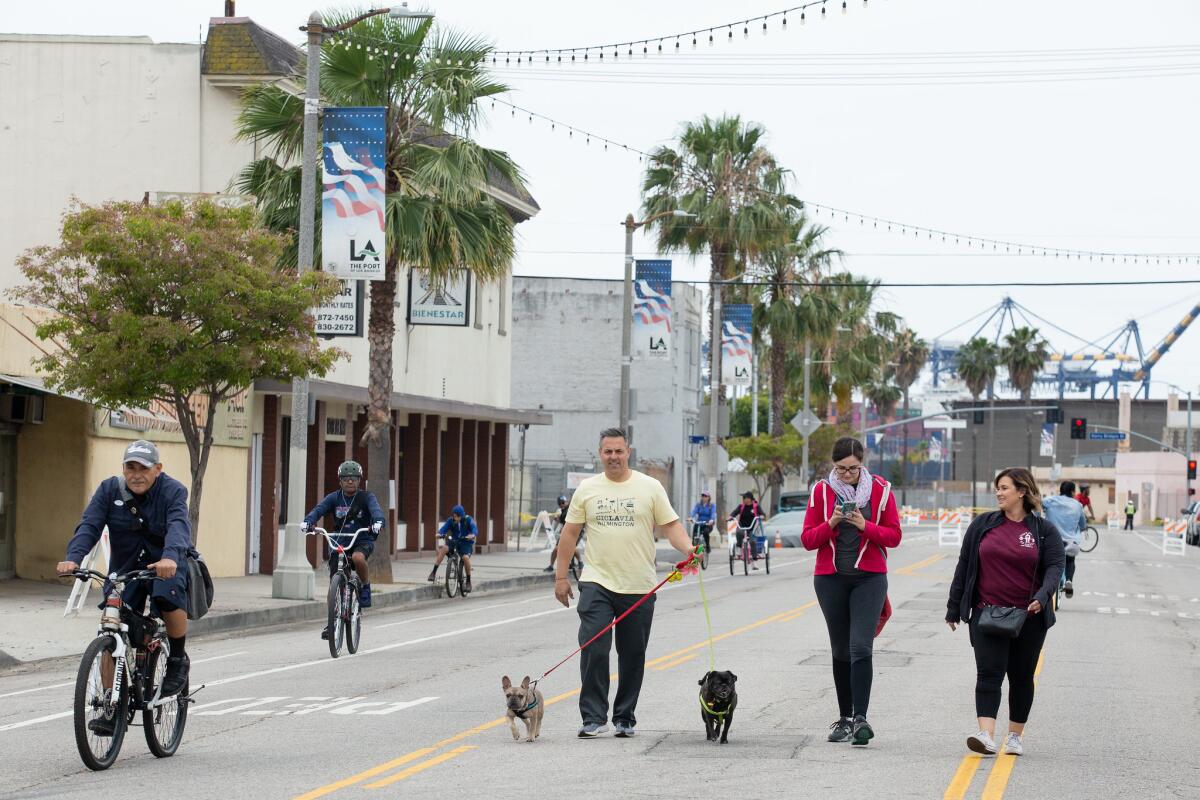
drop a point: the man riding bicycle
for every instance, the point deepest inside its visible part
(146, 512)
(561, 520)
(703, 517)
(1066, 514)
(459, 532)
(352, 508)
(747, 514)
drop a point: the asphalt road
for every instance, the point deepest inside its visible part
(420, 710)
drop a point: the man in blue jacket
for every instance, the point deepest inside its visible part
(146, 512)
(352, 508)
(459, 532)
(704, 514)
(1066, 514)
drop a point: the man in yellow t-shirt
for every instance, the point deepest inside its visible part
(621, 508)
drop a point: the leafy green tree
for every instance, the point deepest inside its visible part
(1024, 354)
(182, 304)
(440, 214)
(909, 352)
(862, 343)
(721, 172)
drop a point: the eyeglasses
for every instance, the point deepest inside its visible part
(847, 470)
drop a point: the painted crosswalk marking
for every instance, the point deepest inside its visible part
(252, 706)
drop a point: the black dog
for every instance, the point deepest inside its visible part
(718, 699)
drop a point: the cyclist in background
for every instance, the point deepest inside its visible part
(1084, 498)
(561, 520)
(459, 532)
(703, 517)
(746, 514)
(352, 508)
(1066, 513)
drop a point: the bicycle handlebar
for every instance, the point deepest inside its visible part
(135, 575)
(329, 537)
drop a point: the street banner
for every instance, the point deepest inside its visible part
(352, 201)
(652, 309)
(935, 446)
(736, 344)
(342, 316)
(1047, 448)
(445, 302)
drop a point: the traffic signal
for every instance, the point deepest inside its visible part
(1054, 416)
(1191, 469)
(1078, 427)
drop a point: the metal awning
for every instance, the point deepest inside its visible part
(412, 403)
(37, 383)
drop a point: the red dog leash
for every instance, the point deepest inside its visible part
(676, 574)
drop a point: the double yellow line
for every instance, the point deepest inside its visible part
(997, 780)
(911, 568)
(661, 663)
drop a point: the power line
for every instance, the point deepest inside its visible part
(895, 285)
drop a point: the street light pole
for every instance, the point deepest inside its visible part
(293, 577)
(804, 450)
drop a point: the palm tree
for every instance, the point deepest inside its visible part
(976, 364)
(909, 354)
(862, 344)
(439, 214)
(720, 172)
(1024, 353)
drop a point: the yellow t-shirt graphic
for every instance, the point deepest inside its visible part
(620, 520)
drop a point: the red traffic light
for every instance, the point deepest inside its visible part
(1191, 469)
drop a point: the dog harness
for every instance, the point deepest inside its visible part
(709, 709)
(521, 714)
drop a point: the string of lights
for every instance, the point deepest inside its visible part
(977, 244)
(828, 284)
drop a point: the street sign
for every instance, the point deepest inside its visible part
(1107, 436)
(805, 423)
(698, 439)
(946, 423)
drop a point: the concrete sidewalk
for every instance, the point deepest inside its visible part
(32, 626)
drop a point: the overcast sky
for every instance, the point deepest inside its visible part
(948, 114)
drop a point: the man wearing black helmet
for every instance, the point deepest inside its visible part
(352, 508)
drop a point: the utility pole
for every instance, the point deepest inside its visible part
(627, 323)
(521, 484)
(804, 450)
(754, 393)
(294, 578)
(714, 388)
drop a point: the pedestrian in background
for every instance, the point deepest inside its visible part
(1066, 514)
(1009, 567)
(851, 521)
(1130, 510)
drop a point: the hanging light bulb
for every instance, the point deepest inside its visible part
(785, 20)
(843, 6)
(710, 38)
(764, 26)
(822, 11)
(801, 17)
(693, 41)
(746, 31)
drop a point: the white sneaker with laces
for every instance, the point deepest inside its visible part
(1012, 745)
(981, 742)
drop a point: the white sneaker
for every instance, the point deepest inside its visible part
(981, 743)
(1012, 745)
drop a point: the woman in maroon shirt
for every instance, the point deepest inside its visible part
(1013, 558)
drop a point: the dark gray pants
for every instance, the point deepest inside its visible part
(597, 608)
(851, 605)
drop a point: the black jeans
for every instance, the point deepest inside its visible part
(851, 605)
(997, 656)
(1128, 522)
(598, 607)
(1070, 569)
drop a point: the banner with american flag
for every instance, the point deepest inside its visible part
(352, 200)
(737, 346)
(652, 308)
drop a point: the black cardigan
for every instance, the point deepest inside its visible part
(1051, 559)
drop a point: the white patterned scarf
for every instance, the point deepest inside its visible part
(860, 494)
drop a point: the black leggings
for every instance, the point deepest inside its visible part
(1070, 569)
(851, 605)
(996, 656)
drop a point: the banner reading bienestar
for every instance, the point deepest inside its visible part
(736, 344)
(652, 309)
(352, 202)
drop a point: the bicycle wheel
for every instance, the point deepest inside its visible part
(1091, 538)
(337, 628)
(95, 702)
(353, 619)
(163, 724)
(731, 560)
(767, 558)
(746, 557)
(453, 569)
(462, 579)
(704, 559)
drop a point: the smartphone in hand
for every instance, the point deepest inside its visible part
(848, 508)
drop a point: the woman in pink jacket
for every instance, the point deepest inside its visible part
(850, 522)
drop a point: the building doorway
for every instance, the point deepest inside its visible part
(8, 500)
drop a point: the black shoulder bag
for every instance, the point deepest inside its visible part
(1006, 621)
(200, 582)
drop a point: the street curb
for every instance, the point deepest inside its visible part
(300, 612)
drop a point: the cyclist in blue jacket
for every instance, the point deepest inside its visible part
(459, 532)
(704, 514)
(352, 508)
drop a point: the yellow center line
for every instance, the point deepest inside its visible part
(911, 568)
(424, 765)
(962, 778)
(783, 616)
(676, 662)
(370, 773)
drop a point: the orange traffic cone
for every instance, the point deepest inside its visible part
(778, 541)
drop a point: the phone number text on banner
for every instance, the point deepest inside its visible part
(736, 344)
(652, 309)
(352, 201)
